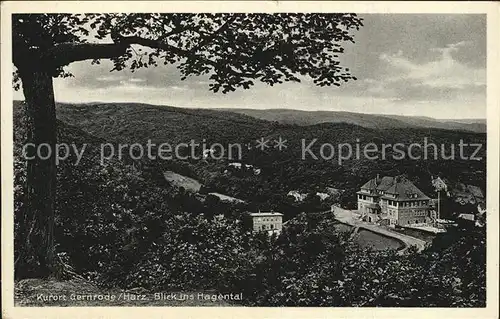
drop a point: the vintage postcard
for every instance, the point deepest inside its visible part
(266, 159)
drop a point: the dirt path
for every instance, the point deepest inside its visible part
(351, 218)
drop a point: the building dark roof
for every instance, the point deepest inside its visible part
(385, 183)
(380, 184)
(404, 189)
(371, 184)
(400, 186)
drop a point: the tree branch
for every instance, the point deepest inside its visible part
(65, 53)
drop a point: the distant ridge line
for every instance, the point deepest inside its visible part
(315, 117)
(378, 121)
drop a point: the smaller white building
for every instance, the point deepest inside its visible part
(272, 222)
(297, 195)
(240, 166)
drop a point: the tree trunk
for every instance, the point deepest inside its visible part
(35, 254)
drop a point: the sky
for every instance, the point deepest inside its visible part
(406, 64)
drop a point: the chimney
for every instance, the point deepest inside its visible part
(378, 178)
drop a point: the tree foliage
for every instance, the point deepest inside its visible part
(234, 50)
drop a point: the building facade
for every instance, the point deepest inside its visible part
(393, 201)
(272, 222)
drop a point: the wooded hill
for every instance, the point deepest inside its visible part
(119, 226)
(284, 170)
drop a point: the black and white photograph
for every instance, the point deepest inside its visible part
(227, 158)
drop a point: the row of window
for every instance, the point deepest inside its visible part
(379, 192)
(268, 219)
(364, 197)
(416, 221)
(392, 202)
(270, 227)
(415, 203)
(399, 204)
(407, 204)
(413, 213)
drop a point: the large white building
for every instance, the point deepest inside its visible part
(272, 222)
(393, 200)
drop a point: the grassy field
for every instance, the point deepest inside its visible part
(226, 198)
(78, 293)
(178, 180)
(366, 238)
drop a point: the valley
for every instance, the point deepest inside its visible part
(165, 208)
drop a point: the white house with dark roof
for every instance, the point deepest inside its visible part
(393, 200)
